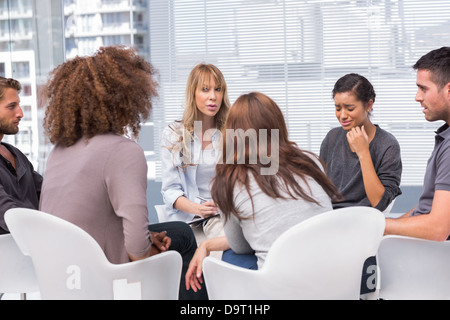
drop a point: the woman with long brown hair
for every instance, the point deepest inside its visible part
(263, 188)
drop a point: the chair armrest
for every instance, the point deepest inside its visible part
(158, 276)
(225, 281)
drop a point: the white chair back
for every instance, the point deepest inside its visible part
(320, 258)
(16, 270)
(161, 212)
(414, 269)
(70, 264)
(388, 210)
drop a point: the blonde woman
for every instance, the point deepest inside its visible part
(191, 148)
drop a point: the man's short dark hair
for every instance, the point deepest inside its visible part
(438, 63)
(6, 83)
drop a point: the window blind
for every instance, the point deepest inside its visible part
(294, 51)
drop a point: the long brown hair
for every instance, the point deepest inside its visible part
(257, 111)
(110, 91)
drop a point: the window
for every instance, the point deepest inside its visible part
(294, 51)
(30, 47)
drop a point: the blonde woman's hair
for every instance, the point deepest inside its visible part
(198, 78)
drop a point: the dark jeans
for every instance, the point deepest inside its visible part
(183, 241)
(247, 261)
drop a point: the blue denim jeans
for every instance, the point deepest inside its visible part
(248, 261)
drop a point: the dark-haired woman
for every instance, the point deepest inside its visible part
(261, 199)
(361, 159)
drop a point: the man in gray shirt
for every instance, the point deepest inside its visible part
(431, 218)
(20, 185)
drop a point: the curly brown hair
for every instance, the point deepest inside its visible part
(257, 111)
(111, 91)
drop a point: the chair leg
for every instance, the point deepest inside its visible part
(23, 296)
(1, 295)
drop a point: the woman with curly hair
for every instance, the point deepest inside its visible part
(96, 175)
(191, 148)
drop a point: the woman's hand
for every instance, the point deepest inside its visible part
(358, 140)
(204, 210)
(161, 241)
(207, 209)
(193, 275)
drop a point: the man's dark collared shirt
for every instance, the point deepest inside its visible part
(20, 187)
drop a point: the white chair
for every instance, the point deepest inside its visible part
(161, 212)
(320, 258)
(17, 274)
(70, 264)
(414, 269)
(388, 210)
